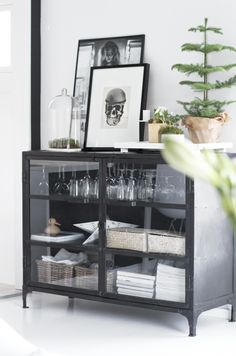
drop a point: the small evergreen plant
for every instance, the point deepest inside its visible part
(171, 130)
(205, 107)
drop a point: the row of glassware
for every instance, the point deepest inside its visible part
(121, 184)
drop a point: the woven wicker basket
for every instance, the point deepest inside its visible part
(86, 278)
(55, 273)
(127, 238)
(166, 243)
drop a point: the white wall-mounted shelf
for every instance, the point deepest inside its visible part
(145, 145)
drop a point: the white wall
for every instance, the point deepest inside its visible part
(14, 138)
(165, 25)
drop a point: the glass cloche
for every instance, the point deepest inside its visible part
(64, 126)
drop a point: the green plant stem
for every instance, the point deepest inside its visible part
(205, 93)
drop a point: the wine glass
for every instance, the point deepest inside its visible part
(149, 186)
(43, 187)
(121, 186)
(87, 184)
(95, 187)
(61, 187)
(131, 192)
(140, 183)
(73, 185)
(110, 183)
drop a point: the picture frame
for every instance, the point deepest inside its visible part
(102, 52)
(117, 96)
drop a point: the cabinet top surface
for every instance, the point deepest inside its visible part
(91, 155)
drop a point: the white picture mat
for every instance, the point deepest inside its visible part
(132, 77)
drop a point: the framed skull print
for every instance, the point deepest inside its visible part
(103, 52)
(117, 96)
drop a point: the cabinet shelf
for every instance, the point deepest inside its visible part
(56, 287)
(153, 301)
(71, 246)
(133, 253)
(140, 203)
(64, 198)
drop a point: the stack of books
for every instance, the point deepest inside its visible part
(170, 283)
(135, 284)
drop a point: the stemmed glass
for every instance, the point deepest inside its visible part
(140, 184)
(86, 184)
(131, 192)
(110, 183)
(61, 187)
(43, 187)
(149, 186)
(121, 186)
(95, 187)
(73, 185)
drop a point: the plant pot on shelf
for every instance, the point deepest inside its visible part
(154, 132)
(177, 137)
(204, 129)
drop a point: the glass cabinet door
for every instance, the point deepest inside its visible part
(64, 223)
(145, 231)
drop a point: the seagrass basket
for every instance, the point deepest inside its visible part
(55, 273)
(127, 238)
(86, 278)
(164, 242)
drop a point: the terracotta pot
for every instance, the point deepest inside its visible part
(153, 132)
(204, 129)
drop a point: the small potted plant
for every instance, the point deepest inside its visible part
(205, 116)
(156, 123)
(172, 130)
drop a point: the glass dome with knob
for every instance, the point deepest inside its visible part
(64, 116)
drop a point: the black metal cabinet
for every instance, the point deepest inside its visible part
(97, 197)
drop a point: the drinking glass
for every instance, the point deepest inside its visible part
(87, 185)
(131, 192)
(110, 183)
(149, 185)
(140, 184)
(121, 186)
(43, 187)
(61, 186)
(73, 185)
(95, 187)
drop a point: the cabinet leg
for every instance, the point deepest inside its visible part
(192, 322)
(233, 312)
(24, 297)
(70, 302)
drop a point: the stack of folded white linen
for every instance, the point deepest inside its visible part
(64, 256)
(135, 284)
(170, 283)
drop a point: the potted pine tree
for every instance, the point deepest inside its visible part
(205, 115)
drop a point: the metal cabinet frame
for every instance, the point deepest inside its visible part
(196, 302)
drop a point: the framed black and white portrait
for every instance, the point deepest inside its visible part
(103, 52)
(117, 96)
